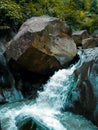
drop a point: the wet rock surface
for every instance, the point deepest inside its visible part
(24, 122)
(8, 92)
(86, 90)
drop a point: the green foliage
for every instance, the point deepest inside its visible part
(10, 14)
(79, 14)
(82, 14)
(53, 7)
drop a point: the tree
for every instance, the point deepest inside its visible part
(10, 14)
(78, 14)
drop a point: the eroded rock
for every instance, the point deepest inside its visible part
(42, 44)
(78, 36)
(90, 43)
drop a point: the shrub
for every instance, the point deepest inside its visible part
(10, 14)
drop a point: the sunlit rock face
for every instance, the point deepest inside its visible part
(84, 96)
(42, 44)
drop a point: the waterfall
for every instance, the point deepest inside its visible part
(55, 92)
(46, 111)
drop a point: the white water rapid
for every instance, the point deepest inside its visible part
(45, 112)
(56, 90)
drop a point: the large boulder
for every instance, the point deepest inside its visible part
(84, 96)
(42, 44)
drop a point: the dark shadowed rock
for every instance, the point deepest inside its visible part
(8, 92)
(78, 36)
(86, 90)
(5, 36)
(25, 122)
(90, 42)
(42, 44)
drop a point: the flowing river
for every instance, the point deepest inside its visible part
(46, 111)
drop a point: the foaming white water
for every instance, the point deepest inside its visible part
(47, 105)
(46, 111)
(56, 90)
(44, 116)
(49, 118)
